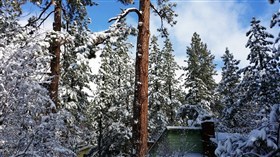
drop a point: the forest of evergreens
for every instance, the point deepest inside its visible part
(48, 106)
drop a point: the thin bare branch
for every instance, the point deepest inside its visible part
(40, 16)
(161, 20)
(155, 10)
(45, 18)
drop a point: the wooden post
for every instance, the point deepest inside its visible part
(208, 132)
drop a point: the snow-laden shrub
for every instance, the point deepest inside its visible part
(27, 126)
(263, 141)
(193, 115)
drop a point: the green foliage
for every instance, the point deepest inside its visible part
(258, 90)
(74, 11)
(227, 87)
(74, 83)
(164, 91)
(112, 106)
(199, 74)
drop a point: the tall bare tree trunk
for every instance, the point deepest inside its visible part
(55, 52)
(140, 104)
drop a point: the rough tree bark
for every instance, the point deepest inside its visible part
(140, 104)
(55, 52)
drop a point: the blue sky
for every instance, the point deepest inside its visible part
(109, 8)
(220, 23)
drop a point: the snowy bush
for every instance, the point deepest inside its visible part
(27, 126)
(263, 141)
(193, 115)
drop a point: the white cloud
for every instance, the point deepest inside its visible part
(218, 23)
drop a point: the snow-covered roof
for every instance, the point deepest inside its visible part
(182, 128)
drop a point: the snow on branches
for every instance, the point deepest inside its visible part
(124, 13)
(26, 126)
(263, 141)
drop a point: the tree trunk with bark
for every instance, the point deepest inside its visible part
(55, 52)
(140, 104)
(171, 106)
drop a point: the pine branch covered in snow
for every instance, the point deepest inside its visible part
(164, 91)
(258, 89)
(263, 141)
(115, 30)
(27, 125)
(227, 89)
(113, 98)
(124, 13)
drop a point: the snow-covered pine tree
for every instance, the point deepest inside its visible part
(199, 82)
(113, 99)
(67, 122)
(157, 102)
(257, 91)
(275, 62)
(199, 74)
(164, 94)
(171, 85)
(61, 121)
(263, 141)
(226, 88)
(28, 127)
(74, 84)
(76, 73)
(66, 13)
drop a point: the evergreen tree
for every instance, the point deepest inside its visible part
(199, 82)
(28, 128)
(113, 99)
(266, 137)
(75, 78)
(63, 128)
(199, 74)
(140, 103)
(257, 91)
(263, 141)
(157, 119)
(227, 86)
(164, 93)
(65, 14)
(157, 100)
(171, 85)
